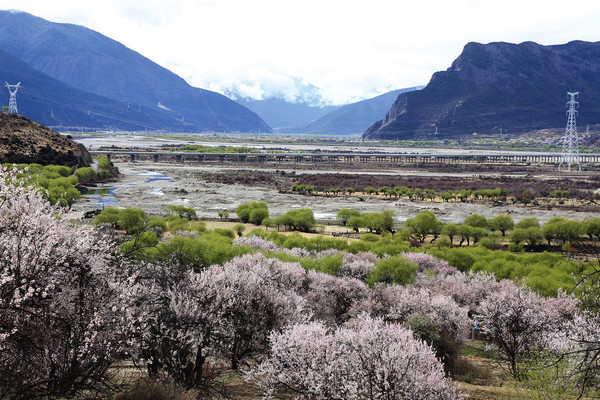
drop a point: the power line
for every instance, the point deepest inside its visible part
(85, 110)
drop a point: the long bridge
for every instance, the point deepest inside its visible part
(451, 157)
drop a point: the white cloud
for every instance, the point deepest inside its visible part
(349, 49)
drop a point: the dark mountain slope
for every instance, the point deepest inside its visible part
(50, 102)
(92, 62)
(513, 87)
(353, 118)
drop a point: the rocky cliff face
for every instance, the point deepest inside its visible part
(25, 141)
(489, 87)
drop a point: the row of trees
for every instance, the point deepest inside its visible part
(463, 195)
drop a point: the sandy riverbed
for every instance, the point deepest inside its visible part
(144, 186)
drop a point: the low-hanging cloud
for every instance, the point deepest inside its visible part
(347, 49)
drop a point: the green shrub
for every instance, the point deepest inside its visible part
(329, 264)
(181, 211)
(199, 252)
(103, 163)
(225, 232)
(301, 219)
(157, 224)
(443, 243)
(85, 173)
(239, 229)
(394, 269)
(108, 216)
(58, 169)
(245, 210)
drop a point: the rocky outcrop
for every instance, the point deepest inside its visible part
(25, 141)
(513, 88)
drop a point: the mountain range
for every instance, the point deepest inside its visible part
(90, 62)
(354, 118)
(282, 115)
(489, 88)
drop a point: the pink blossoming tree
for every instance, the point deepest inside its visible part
(369, 359)
(59, 316)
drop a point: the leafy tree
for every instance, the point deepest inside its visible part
(528, 223)
(257, 215)
(355, 223)
(131, 220)
(345, 213)
(502, 223)
(476, 221)
(157, 224)
(108, 216)
(370, 190)
(423, 224)
(451, 230)
(531, 235)
(223, 215)
(244, 212)
(180, 210)
(591, 227)
(465, 232)
(300, 219)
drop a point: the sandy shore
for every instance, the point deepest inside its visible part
(146, 186)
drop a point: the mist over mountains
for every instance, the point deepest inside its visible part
(75, 77)
(86, 60)
(354, 118)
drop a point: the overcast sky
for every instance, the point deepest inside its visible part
(349, 49)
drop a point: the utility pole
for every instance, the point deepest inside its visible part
(12, 90)
(570, 151)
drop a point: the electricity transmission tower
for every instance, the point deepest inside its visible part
(570, 151)
(12, 104)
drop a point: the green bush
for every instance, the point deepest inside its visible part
(175, 223)
(225, 232)
(108, 216)
(199, 252)
(329, 264)
(244, 210)
(239, 229)
(181, 211)
(394, 269)
(85, 173)
(58, 169)
(103, 163)
(301, 219)
(157, 224)
(131, 220)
